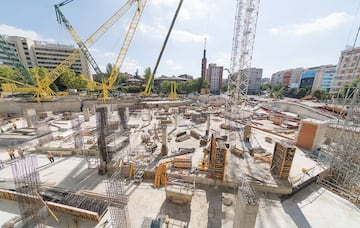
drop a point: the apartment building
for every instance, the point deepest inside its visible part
(214, 76)
(33, 53)
(255, 78)
(323, 78)
(290, 77)
(348, 68)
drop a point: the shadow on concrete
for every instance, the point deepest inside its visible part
(89, 179)
(178, 212)
(292, 208)
(81, 178)
(215, 213)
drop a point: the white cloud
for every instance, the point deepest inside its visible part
(173, 65)
(159, 31)
(105, 57)
(223, 59)
(131, 65)
(164, 2)
(12, 31)
(326, 23)
(189, 9)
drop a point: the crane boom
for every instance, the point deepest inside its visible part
(55, 73)
(126, 43)
(147, 90)
(63, 20)
(6, 49)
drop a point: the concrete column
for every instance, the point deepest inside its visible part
(175, 120)
(124, 117)
(164, 148)
(86, 112)
(208, 125)
(30, 117)
(246, 210)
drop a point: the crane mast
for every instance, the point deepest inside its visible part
(242, 51)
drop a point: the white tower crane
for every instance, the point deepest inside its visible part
(242, 51)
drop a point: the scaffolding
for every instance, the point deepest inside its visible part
(118, 209)
(341, 156)
(26, 179)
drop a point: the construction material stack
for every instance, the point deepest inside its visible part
(247, 133)
(183, 162)
(282, 160)
(217, 152)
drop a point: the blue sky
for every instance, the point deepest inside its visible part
(289, 33)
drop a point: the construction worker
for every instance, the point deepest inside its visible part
(21, 152)
(14, 126)
(50, 157)
(1, 130)
(11, 153)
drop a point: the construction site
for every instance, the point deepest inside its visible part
(141, 160)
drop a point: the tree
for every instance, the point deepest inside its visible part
(266, 87)
(8, 72)
(147, 74)
(69, 79)
(348, 88)
(165, 87)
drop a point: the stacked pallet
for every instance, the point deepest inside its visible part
(282, 160)
(183, 162)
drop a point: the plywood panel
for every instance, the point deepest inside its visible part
(306, 136)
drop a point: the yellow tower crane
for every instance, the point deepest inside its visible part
(43, 90)
(173, 94)
(108, 84)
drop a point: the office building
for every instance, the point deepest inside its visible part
(348, 68)
(255, 77)
(214, 76)
(33, 53)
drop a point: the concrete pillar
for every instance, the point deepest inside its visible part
(246, 210)
(175, 120)
(30, 117)
(164, 148)
(124, 117)
(86, 112)
(208, 125)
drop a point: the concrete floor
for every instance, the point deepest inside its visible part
(207, 208)
(313, 206)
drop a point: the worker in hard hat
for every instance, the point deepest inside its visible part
(21, 152)
(50, 157)
(14, 126)
(11, 153)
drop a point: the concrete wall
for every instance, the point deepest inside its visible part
(68, 104)
(302, 110)
(7, 106)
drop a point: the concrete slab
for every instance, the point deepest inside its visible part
(313, 206)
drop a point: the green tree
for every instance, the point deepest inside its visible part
(8, 72)
(147, 73)
(165, 87)
(321, 94)
(266, 87)
(348, 88)
(71, 81)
